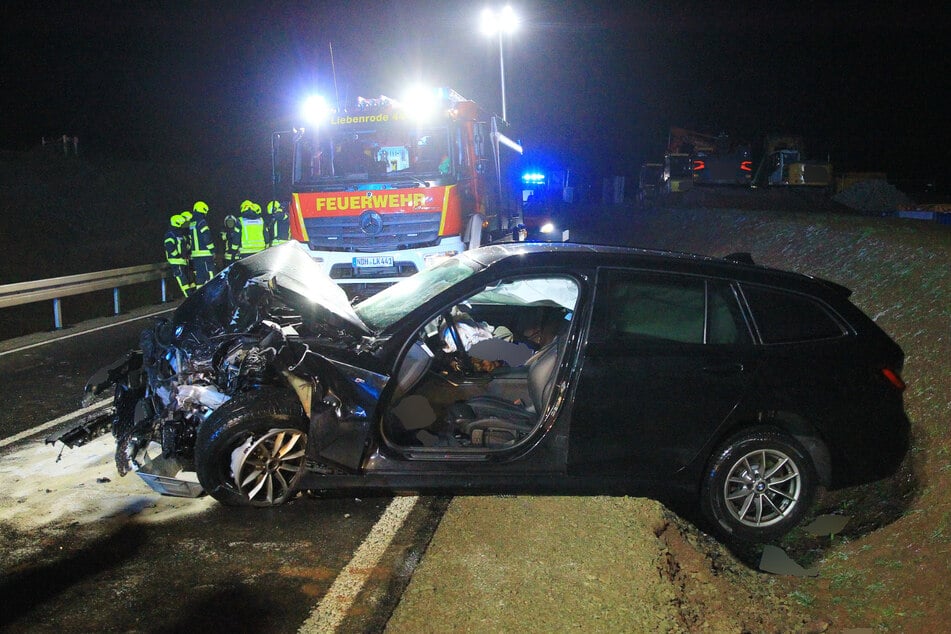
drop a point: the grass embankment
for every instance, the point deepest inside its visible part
(890, 566)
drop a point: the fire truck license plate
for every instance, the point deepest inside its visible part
(372, 261)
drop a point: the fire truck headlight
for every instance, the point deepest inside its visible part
(315, 110)
(548, 227)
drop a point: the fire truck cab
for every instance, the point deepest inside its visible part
(385, 188)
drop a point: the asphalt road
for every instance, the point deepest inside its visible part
(84, 550)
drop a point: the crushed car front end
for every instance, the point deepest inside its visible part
(255, 327)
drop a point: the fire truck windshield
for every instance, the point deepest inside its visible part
(366, 154)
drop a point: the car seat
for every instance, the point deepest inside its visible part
(490, 421)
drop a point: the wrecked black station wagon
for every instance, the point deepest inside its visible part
(519, 368)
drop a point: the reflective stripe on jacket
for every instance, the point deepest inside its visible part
(281, 228)
(174, 241)
(203, 246)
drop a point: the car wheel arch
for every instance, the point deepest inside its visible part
(792, 424)
(239, 418)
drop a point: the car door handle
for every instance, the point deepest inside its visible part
(724, 369)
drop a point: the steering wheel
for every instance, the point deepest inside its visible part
(464, 359)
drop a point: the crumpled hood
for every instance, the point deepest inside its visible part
(236, 299)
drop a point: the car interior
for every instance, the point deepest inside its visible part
(481, 373)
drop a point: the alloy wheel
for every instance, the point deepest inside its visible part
(266, 469)
(762, 488)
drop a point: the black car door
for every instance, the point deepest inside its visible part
(667, 360)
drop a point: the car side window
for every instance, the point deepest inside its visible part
(634, 306)
(669, 310)
(784, 317)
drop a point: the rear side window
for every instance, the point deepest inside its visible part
(635, 306)
(671, 310)
(783, 317)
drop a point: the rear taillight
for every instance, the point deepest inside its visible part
(699, 166)
(894, 379)
(746, 166)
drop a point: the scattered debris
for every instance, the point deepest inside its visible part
(827, 525)
(776, 561)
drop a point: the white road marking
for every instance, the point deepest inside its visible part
(332, 609)
(56, 421)
(83, 332)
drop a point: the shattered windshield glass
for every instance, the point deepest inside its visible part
(555, 292)
(392, 303)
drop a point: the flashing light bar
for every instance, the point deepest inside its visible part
(533, 178)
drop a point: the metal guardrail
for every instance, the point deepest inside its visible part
(56, 288)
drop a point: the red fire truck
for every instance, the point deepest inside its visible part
(384, 188)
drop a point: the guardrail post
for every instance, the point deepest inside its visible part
(57, 314)
(115, 300)
(164, 297)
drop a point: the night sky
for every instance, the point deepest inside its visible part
(591, 86)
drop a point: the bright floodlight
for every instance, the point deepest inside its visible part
(420, 102)
(315, 110)
(504, 21)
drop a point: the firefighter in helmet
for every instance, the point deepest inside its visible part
(177, 253)
(230, 239)
(277, 224)
(203, 244)
(244, 233)
(252, 229)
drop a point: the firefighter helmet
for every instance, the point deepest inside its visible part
(177, 221)
(247, 205)
(257, 208)
(200, 207)
(187, 215)
(274, 206)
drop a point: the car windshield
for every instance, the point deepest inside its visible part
(392, 303)
(396, 150)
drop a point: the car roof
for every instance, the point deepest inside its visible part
(738, 266)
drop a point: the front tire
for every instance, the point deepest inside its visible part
(250, 451)
(760, 483)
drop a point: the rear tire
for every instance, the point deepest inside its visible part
(250, 451)
(759, 484)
